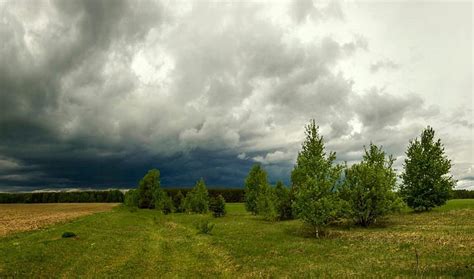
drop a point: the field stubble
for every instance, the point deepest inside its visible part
(27, 217)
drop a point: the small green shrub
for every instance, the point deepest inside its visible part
(217, 206)
(131, 198)
(205, 227)
(68, 235)
(197, 200)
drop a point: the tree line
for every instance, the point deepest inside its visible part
(115, 196)
(322, 191)
(150, 195)
(230, 195)
(462, 194)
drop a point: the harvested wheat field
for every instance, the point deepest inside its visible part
(26, 217)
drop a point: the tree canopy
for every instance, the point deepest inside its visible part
(369, 187)
(426, 179)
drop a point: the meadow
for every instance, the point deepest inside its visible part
(146, 243)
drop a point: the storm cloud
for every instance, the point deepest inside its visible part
(94, 93)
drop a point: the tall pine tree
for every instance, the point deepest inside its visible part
(315, 180)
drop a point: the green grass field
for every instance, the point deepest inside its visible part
(145, 243)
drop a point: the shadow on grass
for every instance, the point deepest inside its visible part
(337, 229)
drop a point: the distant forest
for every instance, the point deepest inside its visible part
(230, 195)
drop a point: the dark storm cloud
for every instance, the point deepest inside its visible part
(377, 109)
(94, 93)
(76, 41)
(34, 86)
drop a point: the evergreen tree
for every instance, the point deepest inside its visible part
(426, 179)
(217, 206)
(197, 200)
(315, 179)
(256, 179)
(283, 201)
(369, 187)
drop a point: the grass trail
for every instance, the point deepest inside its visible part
(145, 243)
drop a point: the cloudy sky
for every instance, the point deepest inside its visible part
(94, 93)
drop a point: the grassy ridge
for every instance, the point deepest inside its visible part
(147, 244)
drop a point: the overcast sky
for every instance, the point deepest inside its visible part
(95, 93)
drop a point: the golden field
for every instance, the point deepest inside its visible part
(26, 217)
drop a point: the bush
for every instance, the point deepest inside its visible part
(315, 181)
(369, 187)
(426, 179)
(217, 206)
(197, 200)
(205, 227)
(68, 235)
(266, 203)
(131, 198)
(148, 189)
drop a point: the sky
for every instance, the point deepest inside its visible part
(93, 93)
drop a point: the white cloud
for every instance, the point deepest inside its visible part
(275, 157)
(242, 156)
